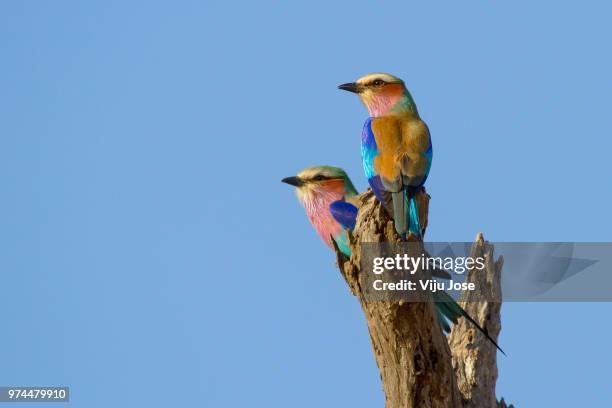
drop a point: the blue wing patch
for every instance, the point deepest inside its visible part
(344, 213)
(428, 154)
(378, 188)
(369, 149)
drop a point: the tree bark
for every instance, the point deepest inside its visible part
(474, 358)
(417, 366)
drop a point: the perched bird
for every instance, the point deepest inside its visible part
(395, 147)
(320, 187)
(328, 195)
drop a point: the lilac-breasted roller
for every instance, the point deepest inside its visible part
(321, 188)
(330, 199)
(395, 147)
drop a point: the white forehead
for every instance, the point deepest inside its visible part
(326, 171)
(309, 172)
(379, 75)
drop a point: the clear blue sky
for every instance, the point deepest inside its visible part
(150, 255)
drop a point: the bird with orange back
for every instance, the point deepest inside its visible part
(396, 147)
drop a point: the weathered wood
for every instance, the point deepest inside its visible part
(474, 357)
(411, 352)
(415, 361)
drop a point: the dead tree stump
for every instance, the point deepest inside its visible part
(419, 366)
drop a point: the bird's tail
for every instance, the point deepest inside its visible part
(442, 320)
(405, 213)
(413, 213)
(400, 215)
(446, 307)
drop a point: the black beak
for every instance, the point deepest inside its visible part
(293, 181)
(351, 87)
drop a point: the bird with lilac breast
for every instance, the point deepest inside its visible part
(330, 199)
(396, 147)
(319, 188)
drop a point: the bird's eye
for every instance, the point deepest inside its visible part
(319, 177)
(378, 82)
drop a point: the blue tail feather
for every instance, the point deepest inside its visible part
(413, 215)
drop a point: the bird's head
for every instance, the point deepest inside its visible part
(381, 94)
(317, 181)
